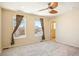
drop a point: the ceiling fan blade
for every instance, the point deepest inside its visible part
(43, 9)
(53, 12)
(53, 5)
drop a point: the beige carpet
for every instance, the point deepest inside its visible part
(47, 48)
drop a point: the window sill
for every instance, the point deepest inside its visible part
(23, 36)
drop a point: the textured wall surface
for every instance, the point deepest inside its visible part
(0, 30)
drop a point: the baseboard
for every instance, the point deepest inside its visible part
(68, 43)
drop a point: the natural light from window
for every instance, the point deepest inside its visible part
(21, 31)
(38, 28)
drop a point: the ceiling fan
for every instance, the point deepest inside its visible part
(51, 6)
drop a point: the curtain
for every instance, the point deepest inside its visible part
(19, 18)
(42, 24)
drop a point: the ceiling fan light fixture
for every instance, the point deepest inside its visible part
(53, 12)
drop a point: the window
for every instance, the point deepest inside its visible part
(21, 31)
(38, 28)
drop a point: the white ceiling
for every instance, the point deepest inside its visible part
(33, 7)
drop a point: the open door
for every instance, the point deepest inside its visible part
(53, 31)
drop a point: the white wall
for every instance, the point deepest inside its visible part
(68, 28)
(0, 30)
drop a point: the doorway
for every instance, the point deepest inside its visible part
(53, 31)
